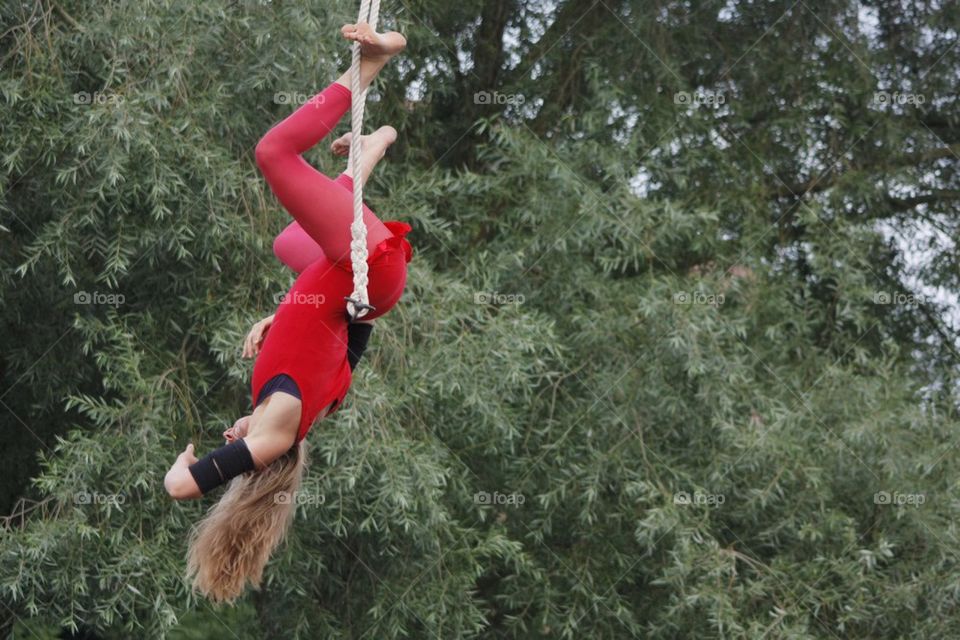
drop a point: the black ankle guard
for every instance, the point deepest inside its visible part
(358, 333)
(220, 466)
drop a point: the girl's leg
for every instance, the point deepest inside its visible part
(322, 208)
(294, 246)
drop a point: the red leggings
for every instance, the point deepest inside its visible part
(308, 338)
(321, 206)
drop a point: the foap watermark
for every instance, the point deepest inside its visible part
(99, 298)
(298, 297)
(299, 498)
(699, 98)
(297, 98)
(499, 499)
(92, 497)
(883, 98)
(495, 297)
(698, 297)
(698, 497)
(909, 299)
(495, 97)
(899, 499)
(99, 98)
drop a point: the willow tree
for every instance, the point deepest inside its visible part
(677, 356)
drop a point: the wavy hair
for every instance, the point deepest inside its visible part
(231, 545)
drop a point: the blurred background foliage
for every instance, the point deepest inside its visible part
(677, 355)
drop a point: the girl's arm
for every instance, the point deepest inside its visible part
(261, 443)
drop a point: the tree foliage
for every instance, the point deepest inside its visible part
(677, 355)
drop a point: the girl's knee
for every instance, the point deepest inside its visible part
(268, 151)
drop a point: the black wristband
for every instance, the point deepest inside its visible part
(222, 465)
(358, 334)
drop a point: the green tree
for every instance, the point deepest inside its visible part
(677, 356)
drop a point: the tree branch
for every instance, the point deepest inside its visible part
(941, 195)
(569, 14)
(818, 184)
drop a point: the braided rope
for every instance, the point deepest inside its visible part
(369, 13)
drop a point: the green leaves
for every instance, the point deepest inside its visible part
(664, 367)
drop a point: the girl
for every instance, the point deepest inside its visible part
(306, 351)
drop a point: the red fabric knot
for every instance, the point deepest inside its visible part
(400, 231)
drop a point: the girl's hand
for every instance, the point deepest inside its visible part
(179, 482)
(186, 458)
(238, 430)
(251, 346)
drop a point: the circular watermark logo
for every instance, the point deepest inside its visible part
(93, 497)
(495, 297)
(495, 97)
(499, 499)
(99, 298)
(299, 297)
(899, 499)
(299, 498)
(684, 498)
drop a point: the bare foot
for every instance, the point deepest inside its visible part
(382, 137)
(373, 44)
(387, 134)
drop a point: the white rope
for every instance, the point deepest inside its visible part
(369, 13)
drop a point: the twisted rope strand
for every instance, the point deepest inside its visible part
(369, 13)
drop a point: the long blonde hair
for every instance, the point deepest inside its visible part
(231, 545)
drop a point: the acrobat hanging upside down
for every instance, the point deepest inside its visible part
(306, 351)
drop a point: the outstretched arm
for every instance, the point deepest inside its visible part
(272, 431)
